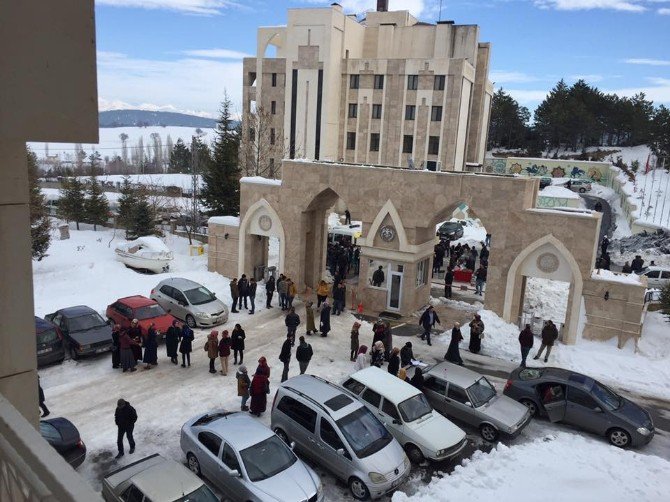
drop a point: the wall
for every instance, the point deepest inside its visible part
(577, 169)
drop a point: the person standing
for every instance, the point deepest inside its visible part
(172, 341)
(355, 343)
(480, 280)
(448, 281)
(388, 339)
(269, 291)
(377, 354)
(128, 361)
(549, 336)
(125, 417)
(235, 294)
(285, 357)
(237, 344)
(378, 331)
(260, 388)
(378, 277)
(453, 354)
(292, 322)
(526, 340)
(252, 294)
(224, 351)
(42, 400)
(476, 334)
(627, 269)
(291, 291)
(417, 380)
(394, 361)
(135, 333)
(604, 244)
(637, 265)
(406, 355)
(243, 287)
(212, 349)
(339, 298)
(428, 320)
(324, 324)
(150, 347)
(309, 316)
(303, 354)
(282, 289)
(243, 385)
(116, 348)
(361, 359)
(347, 217)
(186, 345)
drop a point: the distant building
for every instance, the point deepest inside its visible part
(386, 90)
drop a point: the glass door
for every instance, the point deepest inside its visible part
(395, 291)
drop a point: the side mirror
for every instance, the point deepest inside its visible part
(598, 409)
(468, 403)
(397, 422)
(214, 295)
(341, 452)
(235, 473)
(292, 445)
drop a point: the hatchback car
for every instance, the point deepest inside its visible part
(50, 345)
(451, 230)
(579, 400)
(156, 479)
(85, 331)
(337, 431)
(581, 186)
(146, 311)
(657, 277)
(465, 395)
(64, 437)
(246, 460)
(190, 302)
(407, 414)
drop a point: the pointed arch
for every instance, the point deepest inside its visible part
(388, 208)
(244, 227)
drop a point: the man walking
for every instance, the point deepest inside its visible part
(549, 336)
(428, 320)
(243, 286)
(303, 354)
(480, 280)
(269, 291)
(125, 417)
(234, 293)
(526, 339)
(448, 281)
(252, 294)
(282, 289)
(285, 357)
(292, 322)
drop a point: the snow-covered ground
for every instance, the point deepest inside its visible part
(161, 201)
(546, 299)
(183, 181)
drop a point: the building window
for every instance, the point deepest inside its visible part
(379, 81)
(438, 85)
(353, 110)
(410, 112)
(407, 141)
(353, 82)
(422, 272)
(412, 82)
(376, 111)
(351, 141)
(374, 142)
(273, 108)
(272, 136)
(433, 145)
(274, 80)
(436, 113)
(252, 133)
(272, 167)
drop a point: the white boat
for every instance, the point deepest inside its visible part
(145, 253)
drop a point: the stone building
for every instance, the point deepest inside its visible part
(386, 90)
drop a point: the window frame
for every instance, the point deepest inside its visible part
(436, 113)
(234, 455)
(410, 112)
(210, 435)
(376, 111)
(354, 81)
(324, 422)
(421, 278)
(394, 414)
(408, 143)
(274, 79)
(352, 113)
(412, 82)
(433, 145)
(374, 145)
(572, 389)
(378, 81)
(456, 390)
(368, 390)
(351, 140)
(288, 410)
(273, 107)
(439, 82)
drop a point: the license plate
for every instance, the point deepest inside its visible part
(98, 351)
(44, 351)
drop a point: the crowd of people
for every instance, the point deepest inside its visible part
(461, 257)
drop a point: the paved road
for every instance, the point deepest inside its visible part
(607, 226)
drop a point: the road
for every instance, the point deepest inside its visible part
(606, 227)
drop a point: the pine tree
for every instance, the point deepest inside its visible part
(221, 178)
(40, 225)
(142, 219)
(96, 207)
(127, 205)
(71, 201)
(180, 158)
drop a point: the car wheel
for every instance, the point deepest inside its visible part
(582, 190)
(619, 438)
(282, 435)
(358, 489)
(190, 321)
(414, 454)
(488, 432)
(74, 355)
(193, 463)
(530, 404)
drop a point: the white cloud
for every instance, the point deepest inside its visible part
(649, 62)
(201, 7)
(620, 5)
(506, 77)
(217, 53)
(664, 11)
(527, 97)
(589, 78)
(416, 7)
(658, 90)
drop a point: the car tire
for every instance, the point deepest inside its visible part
(190, 320)
(618, 437)
(582, 190)
(282, 435)
(530, 404)
(414, 453)
(488, 432)
(193, 464)
(358, 489)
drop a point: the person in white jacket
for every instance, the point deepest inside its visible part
(362, 360)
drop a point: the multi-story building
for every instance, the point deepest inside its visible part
(386, 90)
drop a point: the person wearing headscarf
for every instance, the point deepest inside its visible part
(260, 388)
(417, 379)
(377, 354)
(309, 316)
(172, 337)
(361, 359)
(151, 347)
(354, 341)
(243, 386)
(394, 361)
(212, 349)
(453, 354)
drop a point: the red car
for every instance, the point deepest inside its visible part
(145, 310)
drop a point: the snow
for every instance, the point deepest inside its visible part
(558, 192)
(183, 181)
(556, 467)
(153, 244)
(231, 221)
(608, 275)
(159, 201)
(259, 180)
(546, 299)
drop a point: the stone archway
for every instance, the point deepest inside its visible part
(261, 220)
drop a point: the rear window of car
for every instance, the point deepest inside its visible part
(149, 311)
(48, 336)
(530, 374)
(49, 432)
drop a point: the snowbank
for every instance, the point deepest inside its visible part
(608, 275)
(558, 192)
(259, 180)
(557, 467)
(231, 221)
(546, 299)
(183, 181)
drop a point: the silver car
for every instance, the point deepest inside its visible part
(155, 478)
(191, 302)
(246, 460)
(469, 397)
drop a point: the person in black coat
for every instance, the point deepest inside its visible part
(116, 347)
(269, 291)
(237, 343)
(252, 294)
(285, 357)
(417, 380)
(292, 322)
(43, 406)
(378, 277)
(453, 354)
(125, 417)
(406, 354)
(150, 347)
(324, 325)
(186, 345)
(394, 361)
(448, 281)
(526, 340)
(172, 341)
(427, 321)
(243, 288)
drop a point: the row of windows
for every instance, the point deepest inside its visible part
(412, 82)
(407, 143)
(410, 112)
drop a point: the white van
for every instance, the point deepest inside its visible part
(405, 411)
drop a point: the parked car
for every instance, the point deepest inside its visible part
(191, 302)
(145, 253)
(581, 186)
(465, 395)
(545, 181)
(155, 479)
(85, 331)
(64, 437)
(145, 310)
(657, 277)
(579, 400)
(246, 460)
(451, 230)
(405, 411)
(50, 345)
(336, 431)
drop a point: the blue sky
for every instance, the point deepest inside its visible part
(181, 54)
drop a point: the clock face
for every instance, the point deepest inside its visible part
(265, 222)
(548, 262)
(387, 233)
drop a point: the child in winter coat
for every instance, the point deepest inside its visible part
(354, 341)
(243, 384)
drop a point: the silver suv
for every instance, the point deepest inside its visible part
(338, 432)
(191, 302)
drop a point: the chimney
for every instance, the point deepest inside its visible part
(382, 5)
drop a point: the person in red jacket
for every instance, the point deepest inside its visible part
(260, 388)
(224, 351)
(526, 339)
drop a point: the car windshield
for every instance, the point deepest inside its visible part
(49, 432)
(267, 458)
(86, 321)
(149, 311)
(199, 296)
(202, 494)
(606, 396)
(47, 336)
(414, 408)
(365, 434)
(481, 392)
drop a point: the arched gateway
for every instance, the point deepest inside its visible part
(399, 209)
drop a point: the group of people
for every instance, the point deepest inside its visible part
(221, 348)
(243, 291)
(461, 257)
(134, 344)
(342, 258)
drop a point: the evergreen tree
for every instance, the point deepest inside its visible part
(71, 201)
(95, 161)
(127, 205)
(221, 176)
(660, 134)
(508, 126)
(142, 218)
(40, 225)
(180, 158)
(96, 207)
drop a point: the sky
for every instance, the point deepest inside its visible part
(182, 55)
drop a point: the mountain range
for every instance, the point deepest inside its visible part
(144, 118)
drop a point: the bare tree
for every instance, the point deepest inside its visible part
(167, 151)
(262, 145)
(124, 147)
(157, 151)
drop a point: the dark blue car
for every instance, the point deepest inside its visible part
(85, 331)
(50, 344)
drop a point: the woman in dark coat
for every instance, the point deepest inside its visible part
(135, 333)
(394, 361)
(151, 347)
(260, 388)
(476, 334)
(325, 318)
(417, 379)
(237, 344)
(186, 345)
(172, 341)
(453, 354)
(128, 361)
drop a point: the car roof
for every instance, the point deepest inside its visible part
(76, 311)
(382, 382)
(455, 374)
(653, 268)
(136, 301)
(179, 283)
(167, 480)
(321, 391)
(43, 324)
(238, 429)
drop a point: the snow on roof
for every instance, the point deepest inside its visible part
(259, 180)
(151, 243)
(559, 192)
(571, 211)
(231, 221)
(608, 275)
